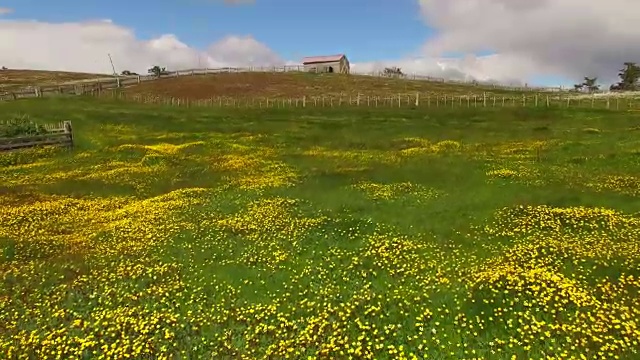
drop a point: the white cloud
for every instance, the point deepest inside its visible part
(490, 68)
(83, 46)
(244, 51)
(571, 38)
(5, 11)
(529, 38)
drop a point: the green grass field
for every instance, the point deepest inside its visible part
(323, 233)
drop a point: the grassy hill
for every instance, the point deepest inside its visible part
(16, 79)
(321, 233)
(285, 85)
(258, 84)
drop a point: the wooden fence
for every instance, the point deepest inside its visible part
(55, 135)
(109, 83)
(415, 100)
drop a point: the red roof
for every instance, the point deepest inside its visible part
(321, 59)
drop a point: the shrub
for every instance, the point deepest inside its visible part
(20, 126)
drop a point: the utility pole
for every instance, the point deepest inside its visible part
(114, 71)
(112, 67)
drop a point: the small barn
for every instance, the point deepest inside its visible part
(327, 64)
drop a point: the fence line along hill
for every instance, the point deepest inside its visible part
(246, 82)
(18, 79)
(415, 100)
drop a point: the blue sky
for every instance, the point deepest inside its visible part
(365, 30)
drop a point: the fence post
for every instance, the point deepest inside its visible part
(138, 79)
(358, 99)
(417, 99)
(304, 101)
(69, 130)
(399, 100)
(608, 102)
(484, 100)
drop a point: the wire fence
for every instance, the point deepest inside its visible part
(414, 100)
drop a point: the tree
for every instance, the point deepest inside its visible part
(589, 84)
(157, 70)
(393, 72)
(629, 77)
(615, 87)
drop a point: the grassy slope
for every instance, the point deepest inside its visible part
(17, 79)
(279, 85)
(239, 269)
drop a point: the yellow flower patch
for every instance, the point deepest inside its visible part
(418, 146)
(378, 191)
(253, 172)
(163, 148)
(528, 283)
(273, 226)
(108, 226)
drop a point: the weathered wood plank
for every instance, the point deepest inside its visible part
(33, 137)
(13, 146)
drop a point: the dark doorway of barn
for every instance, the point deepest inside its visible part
(330, 69)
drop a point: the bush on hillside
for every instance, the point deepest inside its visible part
(393, 72)
(20, 126)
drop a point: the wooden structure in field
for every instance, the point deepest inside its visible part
(327, 64)
(54, 135)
